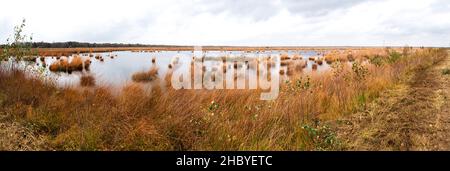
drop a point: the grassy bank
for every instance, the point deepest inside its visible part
(142, 119)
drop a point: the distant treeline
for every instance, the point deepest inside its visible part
(83, 45)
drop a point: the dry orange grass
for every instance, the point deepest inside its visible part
(61, 64)
(146, 76)
(76, 64)
(170, 119)
(87, 81)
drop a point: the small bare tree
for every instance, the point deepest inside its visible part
(19, 48)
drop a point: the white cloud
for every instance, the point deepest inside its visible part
(234, 22)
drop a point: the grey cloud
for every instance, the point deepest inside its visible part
(119, 32)
(254, 9)
(264, 9)
(311, 8)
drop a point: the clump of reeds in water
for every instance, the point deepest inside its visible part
(61, 65)
(76, 64)
(284, 56)
(87, 64)
(319, 61)
(296, 57)
(146, 76)
(300, 65)
(99, 57)
(87, 81)
(329, 59)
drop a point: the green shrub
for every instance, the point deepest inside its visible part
(394, 56)
(446, 71)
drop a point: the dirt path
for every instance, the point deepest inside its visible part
(413, 116)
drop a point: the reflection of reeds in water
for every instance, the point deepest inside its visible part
(270, 63)
(224, 67)
(146, 76)
(285, 63)
(87, 81)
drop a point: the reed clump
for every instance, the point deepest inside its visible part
(284, 56)
(146, 76)
(75, 64)
(87, 81)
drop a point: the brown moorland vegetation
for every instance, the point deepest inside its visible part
(141, 119)
(146, 76)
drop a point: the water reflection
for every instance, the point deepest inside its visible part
(115, 69)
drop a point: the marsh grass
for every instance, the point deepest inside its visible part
(75, 64)
(156, 119)
(87, 81)
(146, 76)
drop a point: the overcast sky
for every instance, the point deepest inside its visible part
(233, 22)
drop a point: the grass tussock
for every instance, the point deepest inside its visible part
(139, 119)
(76, 64)
(87, 81)
(146, 76)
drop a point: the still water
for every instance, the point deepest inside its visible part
(118, 70)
